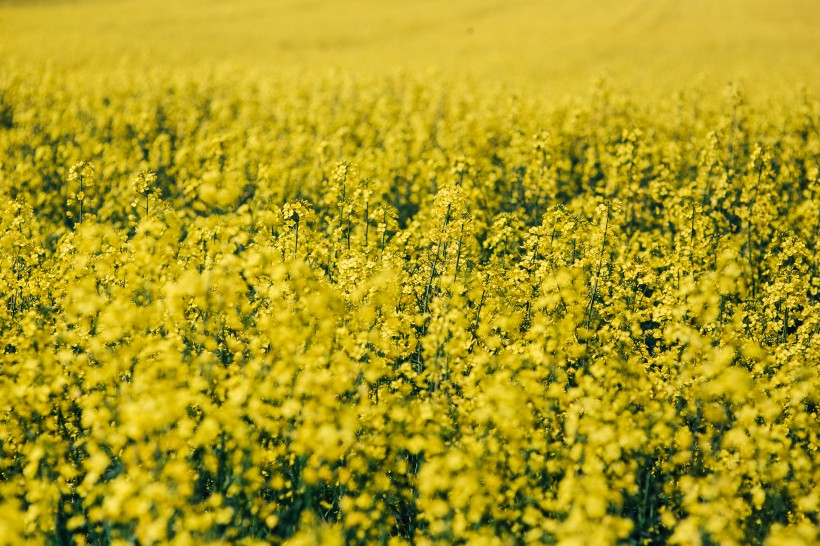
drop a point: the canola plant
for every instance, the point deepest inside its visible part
(404, 309)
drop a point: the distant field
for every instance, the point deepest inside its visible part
(550, 43)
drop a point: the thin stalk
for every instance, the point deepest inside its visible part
(366, 221)
(384, 233)
(458, 252)
(749, 231)
(598, 273)
(440, 247)
(692, 240)
(478, 311)
(296, 244)
(429, 287)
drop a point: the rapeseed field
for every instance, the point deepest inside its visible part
(436, 273)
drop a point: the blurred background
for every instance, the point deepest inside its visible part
(550, 44)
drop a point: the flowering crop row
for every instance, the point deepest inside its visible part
(405, 311)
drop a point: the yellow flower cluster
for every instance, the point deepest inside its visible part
(388, 311)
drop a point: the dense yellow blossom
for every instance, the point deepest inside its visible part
(398, 309)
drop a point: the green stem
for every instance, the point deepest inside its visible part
(598, 272)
